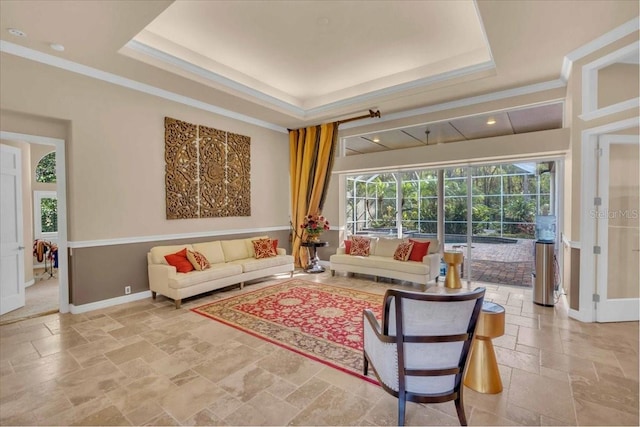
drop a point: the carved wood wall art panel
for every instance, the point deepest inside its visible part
(208, 171)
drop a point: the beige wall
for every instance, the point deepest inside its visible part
(616, 83)
(114, 145)
(115, 155)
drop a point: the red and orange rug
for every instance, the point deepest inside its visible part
(319, 321)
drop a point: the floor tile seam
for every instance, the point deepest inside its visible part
(504, 417)
(298, 410)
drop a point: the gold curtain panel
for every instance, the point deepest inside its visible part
(208, 171)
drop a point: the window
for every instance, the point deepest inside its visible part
(45, 206)
(46, 169)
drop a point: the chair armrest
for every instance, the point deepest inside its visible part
(370, 318)
(433, 260)
(281, 251)
(340, 251)
(159, 275)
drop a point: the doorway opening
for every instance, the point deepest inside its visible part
(46, 290)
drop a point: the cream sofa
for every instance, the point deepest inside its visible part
(380, 262)
(232, 262)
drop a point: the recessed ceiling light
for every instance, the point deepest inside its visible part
(491, 122)
(57, 47)
(376, 139)
(17, 32)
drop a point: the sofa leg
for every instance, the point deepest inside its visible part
(154, 294)
(178, 303)
(375, 279)
(291, 274)
(333, 273)
(241, 285)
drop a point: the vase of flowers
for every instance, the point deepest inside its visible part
(314, 225)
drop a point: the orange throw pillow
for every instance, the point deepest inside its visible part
(263, 248)
(180, 261)
(419, 250)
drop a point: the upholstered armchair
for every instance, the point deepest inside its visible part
(420, 350)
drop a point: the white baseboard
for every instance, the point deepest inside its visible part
(29, 283)
(77, 309)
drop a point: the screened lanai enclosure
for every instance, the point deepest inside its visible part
(487, 211)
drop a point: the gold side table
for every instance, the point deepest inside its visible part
(482, 373)
(453, 259)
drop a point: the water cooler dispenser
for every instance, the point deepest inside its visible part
(543, 277)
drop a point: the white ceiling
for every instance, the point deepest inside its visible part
(288, 64)
(312, 54)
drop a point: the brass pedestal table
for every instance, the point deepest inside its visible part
(453, 259)
(482, 373)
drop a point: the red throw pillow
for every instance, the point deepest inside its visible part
(360, 246)
(180, 261)
(347, 247)
(263, 248)
(403, 251)
(275, 245)
(419, 250)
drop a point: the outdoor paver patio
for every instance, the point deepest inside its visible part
(502, 263)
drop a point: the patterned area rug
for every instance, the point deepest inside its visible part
(319, 321)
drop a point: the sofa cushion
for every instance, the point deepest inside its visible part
(253, 264)
(377, 262)
(419, 251)
(211, 250)
(217, 271)
(403, 251)
(263, 248)
(386, 247)
(180, 261)
(158, 252)
(198, 260)
(235, 249)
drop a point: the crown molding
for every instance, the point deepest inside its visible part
(598, 43)
(191, 68)
(464, 102)
(74, 67)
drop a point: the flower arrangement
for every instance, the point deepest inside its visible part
(314, 225)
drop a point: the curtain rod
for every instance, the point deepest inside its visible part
(372, 114)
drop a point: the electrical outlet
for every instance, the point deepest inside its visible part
(127, 290)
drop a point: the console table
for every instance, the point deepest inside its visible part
(314, 265)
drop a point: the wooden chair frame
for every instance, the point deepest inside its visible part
(400, 339)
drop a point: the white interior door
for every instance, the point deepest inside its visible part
(618, 229)
(11, 231)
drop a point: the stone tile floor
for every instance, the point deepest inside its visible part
(146, 363)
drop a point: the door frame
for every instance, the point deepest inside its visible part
(586, 311)
(61, 189)
(609, 312)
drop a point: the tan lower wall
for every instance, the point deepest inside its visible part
(574, 286)
(101, 272)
